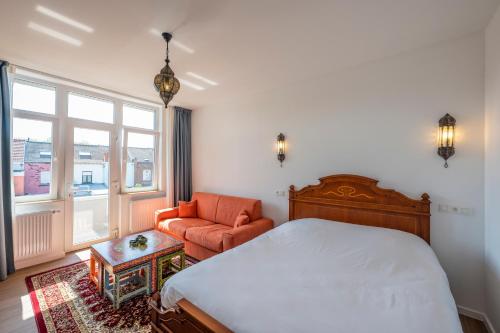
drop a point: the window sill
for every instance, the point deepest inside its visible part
(144, 195)
(36, 201)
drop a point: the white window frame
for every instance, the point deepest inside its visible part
(39, 116)
(156, 133)
(60, 121)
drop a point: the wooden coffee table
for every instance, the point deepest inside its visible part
(122, 272)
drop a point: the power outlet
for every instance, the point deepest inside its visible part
(454, 210)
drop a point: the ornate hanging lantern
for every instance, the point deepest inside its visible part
(165, 82)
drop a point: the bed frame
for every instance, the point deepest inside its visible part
(358, 200)
(343, 198)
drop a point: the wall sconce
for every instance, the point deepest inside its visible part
(280, 146)
(446, 138)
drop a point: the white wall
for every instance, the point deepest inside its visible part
(492, 174)
(378, 120)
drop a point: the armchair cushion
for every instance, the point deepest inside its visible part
(187, 208)
(242, 219)
(209, 237)
(237, 236)
(178, 226)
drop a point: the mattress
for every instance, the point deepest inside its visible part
(313, 275)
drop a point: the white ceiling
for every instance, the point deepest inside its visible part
(245, 46)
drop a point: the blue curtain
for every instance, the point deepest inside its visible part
(182, 155)
(6, 242)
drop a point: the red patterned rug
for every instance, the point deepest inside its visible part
(64, 300)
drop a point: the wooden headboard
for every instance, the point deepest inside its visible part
(358, 200)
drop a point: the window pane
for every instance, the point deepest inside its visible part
(32, 156)
(91, 162)
(90, 185)
(89, 108)
(142, 118)
(140, 160)
(33, 98)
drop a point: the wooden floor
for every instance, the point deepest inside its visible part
(470, 325)
(16, 313)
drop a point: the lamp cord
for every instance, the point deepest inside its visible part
(167, 60)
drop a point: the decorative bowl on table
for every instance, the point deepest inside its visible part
(139, 241)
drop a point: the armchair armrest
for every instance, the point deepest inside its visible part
(240, 235)
(167, 213)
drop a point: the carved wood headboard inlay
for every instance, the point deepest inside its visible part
(346, 191)
(359, 200)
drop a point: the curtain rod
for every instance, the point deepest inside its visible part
(13, 67)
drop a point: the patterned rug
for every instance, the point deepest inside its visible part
(64, 300)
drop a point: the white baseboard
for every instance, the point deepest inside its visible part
(23, 263)
(477, 315)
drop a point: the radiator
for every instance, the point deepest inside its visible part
(142, 211)
(33, 234)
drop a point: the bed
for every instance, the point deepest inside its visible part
(353, 258)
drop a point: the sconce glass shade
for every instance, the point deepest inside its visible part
(446, 138)
(280, 145)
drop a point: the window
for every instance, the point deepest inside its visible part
(32, 97)
(39, 115)
(84, 155)
(91, 163)
(45, 177)
(86, 177)
(140, 163)
(138, 117)
(90, 108)
(140, 143)
(32, 158)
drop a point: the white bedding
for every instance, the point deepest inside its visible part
(312, 275)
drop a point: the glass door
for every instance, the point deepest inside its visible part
(88, 185)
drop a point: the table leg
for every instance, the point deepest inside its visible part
(183, 260)
(148, 277)
(92, 267)
(116, 290)
(154, 274)
(100, 278)
(96, 273)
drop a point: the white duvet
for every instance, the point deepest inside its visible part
(313, 275)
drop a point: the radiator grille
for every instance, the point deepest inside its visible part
(141, 213)
(32, 234)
